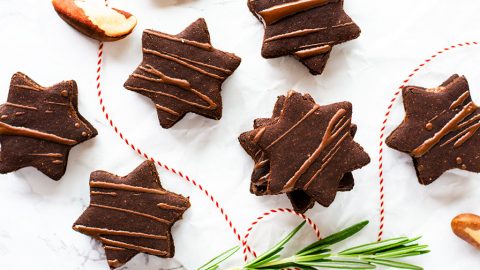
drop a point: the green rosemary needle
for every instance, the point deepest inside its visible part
(319, 255)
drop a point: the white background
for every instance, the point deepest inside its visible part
(36, 213)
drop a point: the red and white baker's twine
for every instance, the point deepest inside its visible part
(268, 213)
(384, 124)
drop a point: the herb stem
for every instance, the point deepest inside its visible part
(318, 255)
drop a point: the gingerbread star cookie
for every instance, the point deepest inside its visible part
(182, 73)
(320, 163)
(305, 29)
(39, 125)
(131, 214)
(440, 129)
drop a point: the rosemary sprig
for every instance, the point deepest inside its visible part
(319, 255)
(214, 263)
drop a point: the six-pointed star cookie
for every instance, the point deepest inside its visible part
(310, 148)
(300, 201)
(440, 129)
(182, 73)
(305, 29)
(131, 214)
(39, 125)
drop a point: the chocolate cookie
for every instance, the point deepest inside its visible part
(131, 214)
(39, 125)
(440, 129)
(182, 73)
(263, 176)
(305, 29)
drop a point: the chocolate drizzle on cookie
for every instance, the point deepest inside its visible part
(280, 11)
(449, 138)
(39, 125)
(305, 29)
(290, 159)
(131, 214)
(182, 73)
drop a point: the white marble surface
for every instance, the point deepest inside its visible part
(36, 213)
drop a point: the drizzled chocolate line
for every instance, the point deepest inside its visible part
(6, 129)
(200, 45)
(313, 51)
(329, 137)
(313, 110)
(463, 136)
(460, 100)
(21, 106)
(326, 160)
(114, 248)
(102, 231)
(305, 32)
(343, 25)
(133, 247)
(124, 187)
(183, 63)
(276, 13)
(161, 220)
(224, 70)
(162, 77)
(309, 46)
(168, 110)
(469, 132)
(263, 178)
(338, 124)
(469, 121)
(258, 152)
(260, 164)
(57, 161)
(47, 155)
(334, 149)
(258, 136)
(298, 33)
(114, 263)
(57, 103)
(171, 207)
(183, 84)
(449, 127)
(436, 116)
(29, 87)
(114, 194)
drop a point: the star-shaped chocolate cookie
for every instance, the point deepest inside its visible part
(273, 164)
(39, 125)
(300, 201)
(440, 129)
(131, 214)
(305, 29)
(182, 73)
